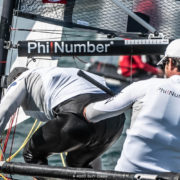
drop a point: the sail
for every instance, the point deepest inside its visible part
(163, 15)
(92, 15)
(55, 1)
(113, 18)
(110, 15)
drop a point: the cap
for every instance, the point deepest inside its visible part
(14, 74)
(172, 50)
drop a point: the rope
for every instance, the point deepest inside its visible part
(14, 132)
(3, 177)
(62, 159)
(7, 136)
(1, 153)
(37, 127)
(32, 131)
(25, 141)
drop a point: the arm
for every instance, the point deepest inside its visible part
(11, 101)
(115, 105)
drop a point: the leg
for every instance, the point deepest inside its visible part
(66, 133)
(84, 157)
(105, 134)
(96, 164)
(69, 133)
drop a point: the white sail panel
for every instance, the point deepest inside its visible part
(99, 14)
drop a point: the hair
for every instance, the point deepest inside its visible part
(176, 62)
(14, 74)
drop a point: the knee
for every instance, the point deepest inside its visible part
(31, 155)
(74, 160)
(27, 153)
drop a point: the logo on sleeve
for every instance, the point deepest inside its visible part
(111, 99)
(12, 84)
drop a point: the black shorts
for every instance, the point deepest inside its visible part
(70, 132)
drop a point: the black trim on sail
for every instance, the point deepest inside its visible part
(92, 48)
(68, 12)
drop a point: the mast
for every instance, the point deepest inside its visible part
(5, 23)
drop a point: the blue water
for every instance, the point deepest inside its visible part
(109, 158)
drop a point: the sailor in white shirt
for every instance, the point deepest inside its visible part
(153, 140)
(58, 96)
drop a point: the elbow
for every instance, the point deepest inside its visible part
(92, 115)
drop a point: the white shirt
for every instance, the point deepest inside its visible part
(153, 141)
(38, 91)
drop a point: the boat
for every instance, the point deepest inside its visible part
(79, 30)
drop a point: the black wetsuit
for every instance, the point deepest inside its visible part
(70, 132)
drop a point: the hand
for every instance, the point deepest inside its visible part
(84, 114)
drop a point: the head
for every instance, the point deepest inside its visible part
(14, 74)
(171, 60)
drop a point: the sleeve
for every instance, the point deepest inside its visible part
(115, 105)
(13, 98)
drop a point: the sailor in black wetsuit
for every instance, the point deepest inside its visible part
(57, 96)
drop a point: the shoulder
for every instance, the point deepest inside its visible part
(139, 88)
(175, 78)
(149, 82)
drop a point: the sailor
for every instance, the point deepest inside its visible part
(153, 139)
(137, 67)
(58, 96)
